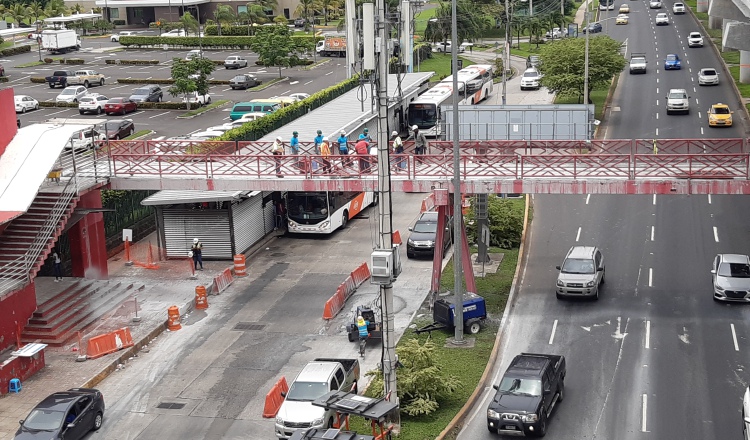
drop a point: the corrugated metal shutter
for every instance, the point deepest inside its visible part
(270, 214)
(210, 226)
(247, 217)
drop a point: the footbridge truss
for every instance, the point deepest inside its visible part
(616, 166)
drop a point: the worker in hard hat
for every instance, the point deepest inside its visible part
(362, 326)
(277, 149)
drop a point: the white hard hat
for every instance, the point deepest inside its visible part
(343, 132)
(325, 138)
(195, 241)
(395, 133)
(414, 127)
(278, 138)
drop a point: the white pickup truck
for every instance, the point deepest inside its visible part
(316, 379)
(195, 98)
(86, 78)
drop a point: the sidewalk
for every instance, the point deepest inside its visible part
(169, 285)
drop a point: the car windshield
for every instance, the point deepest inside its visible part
(44, 420)
(720, 110)
(671, 57)
(530, 74)
(241, 78)
(709, 72)
(734, 270)
(86, 100)
(115, 101)
(677, 95)
(426, 228)
(695, 35)
(140, 92)
(68, 92)
(521, 387)
(306, 391)
(576, 265)
(308, 206)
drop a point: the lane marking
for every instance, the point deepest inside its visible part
(578, 235)
(160, 114)
(648, 334)
(588, 197)
(701, 130)
(709, 199)
(734, 338)
(716, 234)
(307, 83)
(652, 233)
(329, 73)
(657, 103)
(657, 132)
(699, 115)
(650, 277)
(657, 115)
(654, 200)
(293, 83)
(552, 336)
(644, 400)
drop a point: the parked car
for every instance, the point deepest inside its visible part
(593, 28)
(195, 98)
(672, 62)
(116, 37)
(556, 33)
(195, 53)
(120, 105)
(25, 103)
(235, 62)
(661, 19)
(695, 39)
(678, 8)
(116, 129)
(533, 61)
(731, 277)
(206, 135)
(708, 77)
(244, 81)
(445, 47)
(423, 235)
(2, 70)
(581, 273)
(531, 79)
(68, 415)
(654, 4)
(746, 414)
(299, 96)
(149, 93)
(719, 115)
(299, 22)
(86, 78)
(174, 33)
(71, 94)
(59, 78)
(93, 103)
(248, 117)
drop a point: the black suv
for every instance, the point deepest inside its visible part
(421, 241)
(150, 93)
(529, 390)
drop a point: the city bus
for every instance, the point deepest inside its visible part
(606, 5)
(474, 85)
(322, 212)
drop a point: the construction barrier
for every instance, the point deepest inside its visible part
(107, 343)
(397, 238)
(173, 318)
(201, 299)
(274, 399)
(336, 302)
(149, 257)
(239, 266)
(222, 281)
(428, 204)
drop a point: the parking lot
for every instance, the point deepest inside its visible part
(163, 123)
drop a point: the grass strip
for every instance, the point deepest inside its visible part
(34, 63)
(204, 108)
(440, 63)
(138, 134)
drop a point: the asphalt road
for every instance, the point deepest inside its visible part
(163, 122)
(655, 357)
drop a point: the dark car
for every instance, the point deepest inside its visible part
(68, 415)
(594, 28)
(116, 129)
(533, 61)
(2, 70)
(150, 93)
(299, 22)
(120, 105)
(421, 241)
(244, 81)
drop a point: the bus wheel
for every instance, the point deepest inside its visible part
(344, 219)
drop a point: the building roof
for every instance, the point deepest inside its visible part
(71, 18)
(27, 160)
(148, 3)
(170, 197)
(345, 112)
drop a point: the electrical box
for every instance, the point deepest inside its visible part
(385, 265)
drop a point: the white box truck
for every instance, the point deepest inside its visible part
(60, 41)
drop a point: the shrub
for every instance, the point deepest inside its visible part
(222, 82)
(118, 22)
(48, 60)
(38, 80)
(226, 31)
(133, 62)
(15, 50)
(73, 61)
(506, 224)
(236, 42)
(141, 105)
(3, 79)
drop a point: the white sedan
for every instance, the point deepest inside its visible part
(661, 19)
(25, 103)
(654, 4)
(299, 96)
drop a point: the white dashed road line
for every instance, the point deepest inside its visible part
(734, 338)
(709, 199)
(644, 406)
(716, 234)
(588, 197)
(654, 200)
(652, 233)
(552, 336)
(578, 235)
(650, 277)
(648, 335)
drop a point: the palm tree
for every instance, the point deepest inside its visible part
(535, 29)
(55, 8)
(519, 24)
(267, 5)
(255, 14)
(329, 6)
(189, 23)
(17, 13)
(77, 8)
(223, 13)
(306, 10)
(35, 10)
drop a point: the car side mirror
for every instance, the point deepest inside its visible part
(547, 392)
(20, 422)
(71, 425)
(495, 387)
(557, 267)
(283, 394)
(747, 419)
(410, 228)
(599, 269)
(713, 271)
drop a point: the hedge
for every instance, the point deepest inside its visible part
(3, 79)
(71, 61)
(15, 50)
(206, 42)
(141, 105)
(260, 127)
(134, 62)
(229, 31)
(221, 82)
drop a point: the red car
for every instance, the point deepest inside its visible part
(120, 105)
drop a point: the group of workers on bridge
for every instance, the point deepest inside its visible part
(364, 149)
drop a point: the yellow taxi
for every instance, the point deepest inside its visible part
(621, 19)
(624, 9)
(719, 115)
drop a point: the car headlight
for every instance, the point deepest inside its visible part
(430, 242)
(590, 284)
(279, 421)
(560, 283)
(491, 414)
(718, 287)
(529, 418)
(318, 421)
(410, 241)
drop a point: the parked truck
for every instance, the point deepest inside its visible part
(59, 78)
(333, 46)
(60, 41)
(317, 378)
(86, 78)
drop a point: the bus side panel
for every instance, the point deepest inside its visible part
(358, 204)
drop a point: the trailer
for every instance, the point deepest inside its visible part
(60, 41)
(333, 46)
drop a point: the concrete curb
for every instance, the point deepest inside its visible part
(483, 381)
(607, 103)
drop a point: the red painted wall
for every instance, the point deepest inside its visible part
(8, 127)
(15, 309)
(20, 368)
(88, 250)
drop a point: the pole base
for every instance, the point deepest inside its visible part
(465, 343)
(136, 319)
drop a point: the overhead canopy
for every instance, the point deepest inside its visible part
(71, 18)
(170, 197)
(150, 3)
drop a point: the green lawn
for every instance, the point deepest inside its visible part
(731, 57)
(744, 88)
(420, 21)
(598, 96)
(440, 63)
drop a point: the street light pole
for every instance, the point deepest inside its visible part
(457, 215)
(506, 51)
(586, 57)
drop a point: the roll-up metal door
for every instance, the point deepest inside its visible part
(247, 217)
(270, 213)
(211, 227)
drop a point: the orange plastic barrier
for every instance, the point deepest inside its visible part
(274, 399)
(428, 204)
(201, 299)
(222, 281)
(107, 343)
(239, 266)
(397, 238)
(361, 274)
(173, 318)
(335, 303)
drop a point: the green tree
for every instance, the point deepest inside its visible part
(306, 10)
(518, 24)
(329, 6)
(190, 76)
(269, 6)
(17, 13)
(189, 23)
(421, 381)
(35, 10)
(563, 64)
(505, 222)
(77, 8)
(255, 14)
(55, 8)
(469, 22)
(536, 27)
(223, 13)
(276, 47)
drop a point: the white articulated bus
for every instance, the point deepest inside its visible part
(322, 212)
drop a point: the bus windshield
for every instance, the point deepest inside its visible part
(305, 206)
(423, 115)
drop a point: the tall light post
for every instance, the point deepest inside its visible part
(586, 57)
(457, 215)
(506, 51)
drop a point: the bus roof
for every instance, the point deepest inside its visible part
(468, 73)
(435, 95)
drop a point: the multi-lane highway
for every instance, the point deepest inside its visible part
(655, 357)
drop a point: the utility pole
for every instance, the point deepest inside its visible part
(506, 51)
(352, 42)
(458, 319)
(586, 57)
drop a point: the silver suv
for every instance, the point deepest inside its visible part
(581, 273)
(678, 101)
(731, 274)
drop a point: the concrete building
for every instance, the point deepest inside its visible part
(733, 18)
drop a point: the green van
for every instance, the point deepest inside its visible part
(241, 108)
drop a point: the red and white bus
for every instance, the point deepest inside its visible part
(322, 212)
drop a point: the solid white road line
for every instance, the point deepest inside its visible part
(588, 197)
(552, 336)
(644, 406)
(578, 235)
(716, 234)
(652, 233)
(734, 338)
(709, 199)
(650, 277)
(307, 83)
(654, 200)
(648, 334)
(657, 132)
(160, 114)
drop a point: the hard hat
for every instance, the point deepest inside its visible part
(414, 127)
(325, 138)
(320, 132)
(365, 130)
(395, 133)
(343, 133)
(278, 138)
(294, 133)
(195, 241)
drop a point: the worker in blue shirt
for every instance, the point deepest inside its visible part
(362, 327)
(318, 140)
(342, 140)
(365, 135)
(294, 143)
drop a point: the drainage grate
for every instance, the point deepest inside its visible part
(248, 326)
(171, 405)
